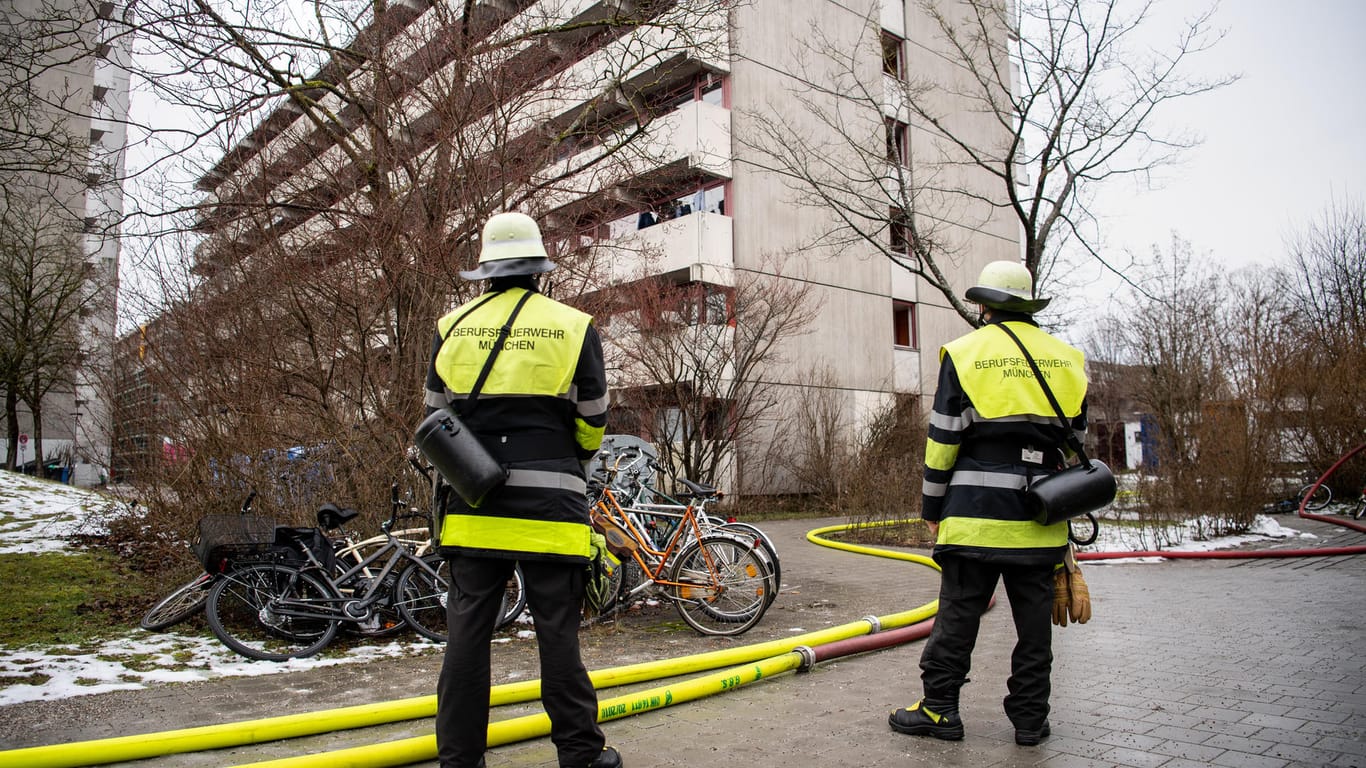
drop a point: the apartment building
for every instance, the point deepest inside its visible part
(652, 156)
(77, 97)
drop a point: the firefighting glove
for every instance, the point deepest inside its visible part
(1062, 597)
(1079, 596)
(1079, 607)
(598, 581)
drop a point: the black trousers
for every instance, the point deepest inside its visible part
(965, 589)
(554, 594)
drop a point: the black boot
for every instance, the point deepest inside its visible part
(916, 720)
(1027, 737)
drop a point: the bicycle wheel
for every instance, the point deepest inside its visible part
(184, 602)
(1321, 498)
(514, 599)
(269, 611)
(752, 533)
(1361, 509)
(421, 597)
(722, 585)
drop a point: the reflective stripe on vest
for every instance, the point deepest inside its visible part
(1001, 534)
(512, 534)
(999, 382)
(536, 478)
(539, 357)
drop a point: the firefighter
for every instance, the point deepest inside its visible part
(541, 413)
(991, 431)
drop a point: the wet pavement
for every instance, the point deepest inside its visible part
(1209, 662)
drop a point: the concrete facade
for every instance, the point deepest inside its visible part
(716, 208)
(82, 90)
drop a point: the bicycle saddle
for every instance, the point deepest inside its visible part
(698, 489)
(330, 516)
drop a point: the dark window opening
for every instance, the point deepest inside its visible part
(893, 58)
(900, 232)
(897, 147)
(903, 325)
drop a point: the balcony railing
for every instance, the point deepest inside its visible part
(700, 243)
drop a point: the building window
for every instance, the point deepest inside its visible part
(694, 304)
(897, 147)
(704, 86)
(711, 89)
(893, 56)
(899, 227)
(664, 305)
(903, 325)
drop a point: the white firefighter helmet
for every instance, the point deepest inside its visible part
(511, 245)
(1008, 286)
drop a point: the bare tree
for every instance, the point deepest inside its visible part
(42, 111)
(355, 154)
(696, 360)
(1328, 320)
(44, 294)
(1235, 382)
(1070, 97)
(1209, 464)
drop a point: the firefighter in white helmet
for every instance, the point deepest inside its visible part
(992, 430)
(540, 410)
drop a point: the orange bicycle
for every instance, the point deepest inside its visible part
(720, 582)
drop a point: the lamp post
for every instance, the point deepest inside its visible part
(75, 442)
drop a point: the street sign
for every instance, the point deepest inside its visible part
(23, 438)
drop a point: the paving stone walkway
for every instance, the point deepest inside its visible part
(1226, 663)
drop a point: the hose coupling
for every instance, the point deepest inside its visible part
(874, 623)
(808, 658)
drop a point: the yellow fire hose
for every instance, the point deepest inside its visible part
(766, 657)
(423, 748)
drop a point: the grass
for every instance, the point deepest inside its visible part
(53, 598)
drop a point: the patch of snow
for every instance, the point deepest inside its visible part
(39, 516)
(143, 658)
(1125, 538)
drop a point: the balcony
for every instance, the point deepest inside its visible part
(699, 244)
(692, 142)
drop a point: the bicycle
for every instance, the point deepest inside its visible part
(189, 598)
(274, 610)
(718, 581)
(184, 602)
(660, 514)
(514, 595)
(1321, 497)
(1360, 511)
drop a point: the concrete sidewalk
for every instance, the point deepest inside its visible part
(1234, 663)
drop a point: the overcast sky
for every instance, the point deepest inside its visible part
(1278, 146)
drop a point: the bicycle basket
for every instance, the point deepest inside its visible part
(225, 538)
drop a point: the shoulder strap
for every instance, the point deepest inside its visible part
(1071, 437)
(467, 312)
(503, 334)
